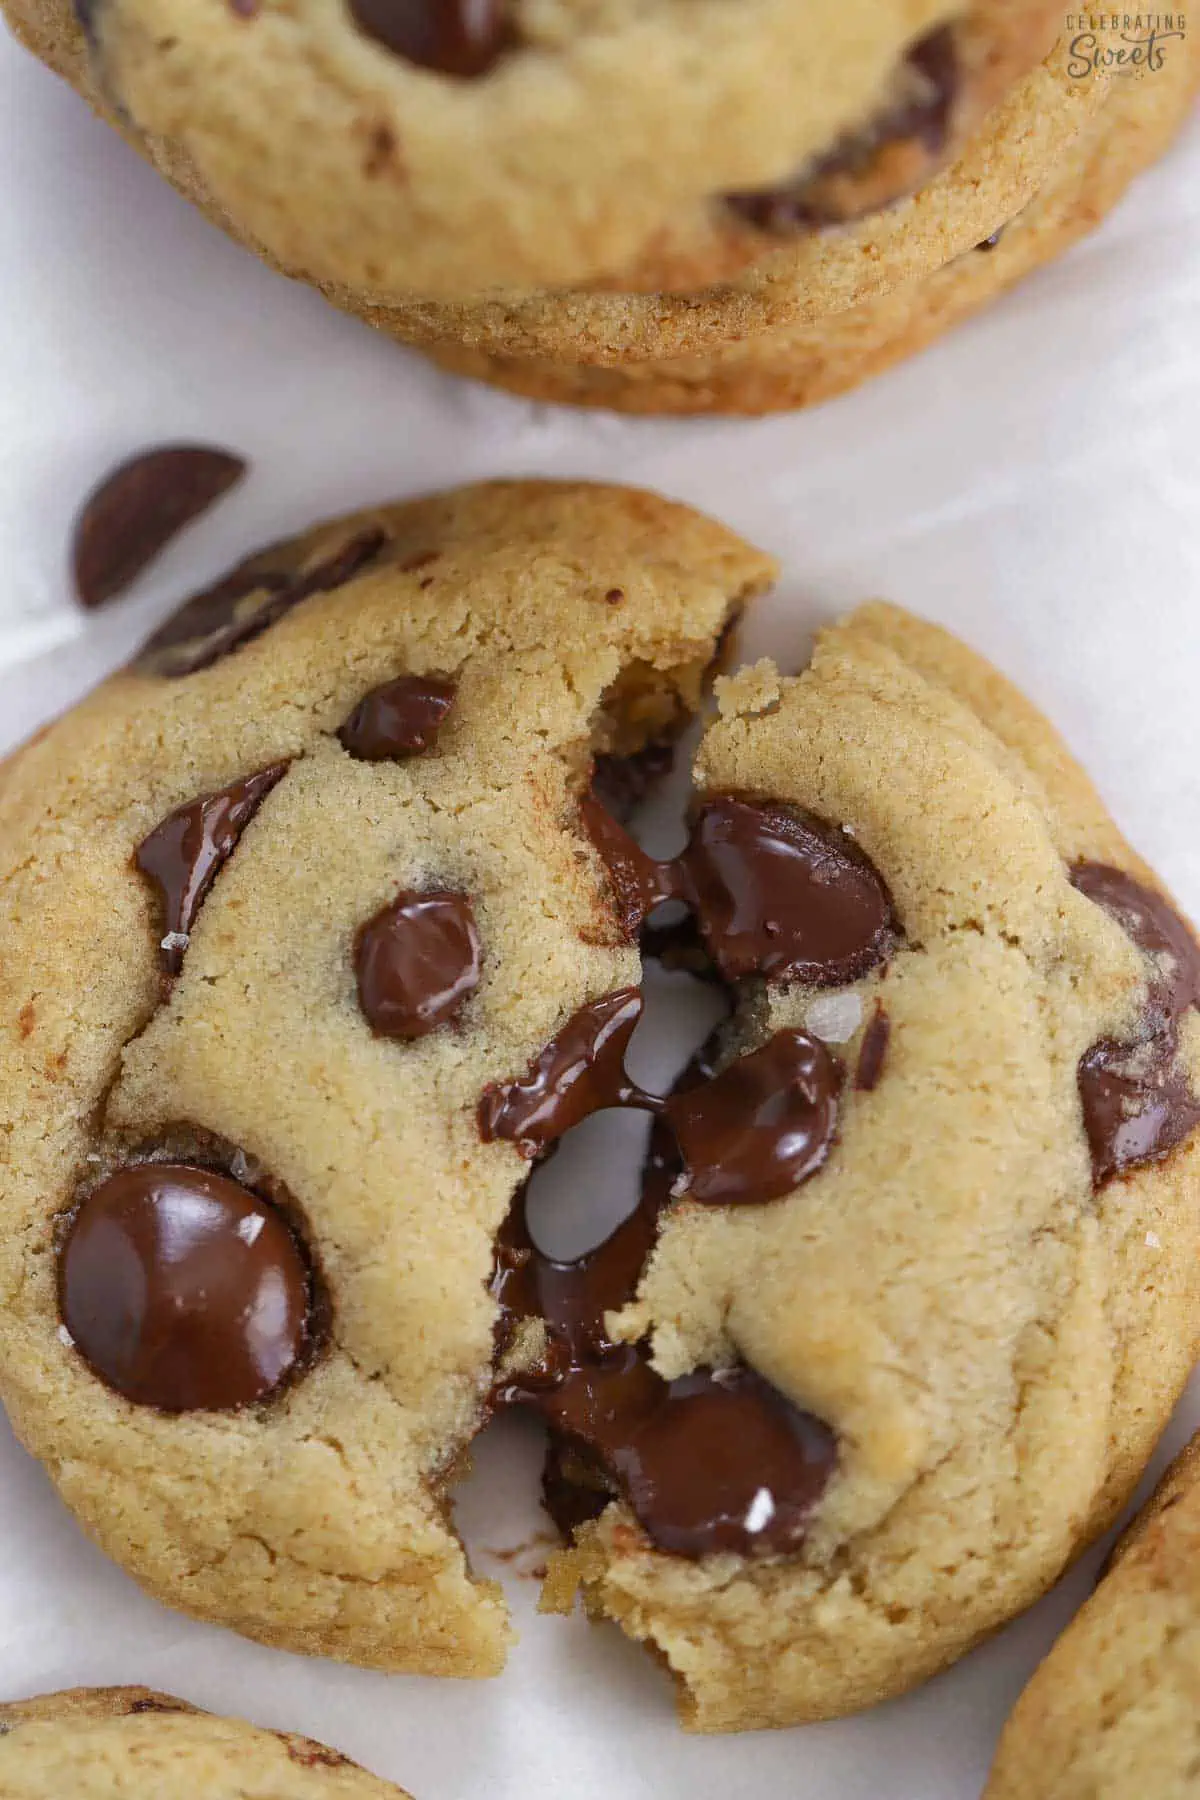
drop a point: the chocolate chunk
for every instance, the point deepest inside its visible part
(184, 855)
(183, 1290)
(1137, 1097)
(762, 1126)
(401, 718)
(581, 1071)
(990, 243)
(717, 1460)
(416, 962)
(1154, 926)
(922, 118)
(780, 894)
(247, 602)
(638, 883)
(463, 38)
(134, 513)
(774, 891)
(1137, 1102)
(872, 1051)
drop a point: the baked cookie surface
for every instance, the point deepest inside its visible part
(95, 1743)
(1112, 1711)
(436, 147)
(764, 344)
(353, 941)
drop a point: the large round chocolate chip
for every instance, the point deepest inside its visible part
(183, 1290)
(416, 962)
(781, 894)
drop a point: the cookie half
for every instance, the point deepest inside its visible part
(91, 1743)
(1112, 1710)
(440, 148)
(246, 1213)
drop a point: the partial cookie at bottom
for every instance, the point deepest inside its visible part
(800, 365)
(93, 1743)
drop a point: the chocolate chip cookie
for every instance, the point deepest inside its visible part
(353, 939)
(890, 288)
(1111, 1713)
(92, 1743)
(451, 147)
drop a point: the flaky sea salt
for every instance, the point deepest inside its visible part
(835, 1017)
(1153, 1241)
(175, 940)
(64, 1337)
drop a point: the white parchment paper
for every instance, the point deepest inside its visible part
(1034, 483)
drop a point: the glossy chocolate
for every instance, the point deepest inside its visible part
(401, 718)
(581, 1071)
(924, 118)
(136, 510)
(872, 1052)
(762, 1126)
(715, 1461)
(463, 38)
(183, 1290)
(416, 963)
(773, 891)
(1136, 1096)
(247, 602)
(184, 855)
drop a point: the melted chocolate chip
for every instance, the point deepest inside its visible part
(1136, 1097)
(401, 718)
(715, 1461)
(581, 1071)
(922, 118)
(774, 891)
(872, 1051)
(183, 1290)
(463, 38)
(134, 513)
(416, 962)
(638, 883)
(246, 603)
(762, 1126)
(184, 855)
(782, 895)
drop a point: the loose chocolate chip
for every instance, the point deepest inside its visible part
(774, 891)
(246, 603)
(581, 1071)
(401, 718)
(184, 855)
(416, 962)
(1136, 1097)
(780, 894)
(183, 1290)
(872, 1051)
(134, 513)
(762, 1126)
(931, 79)
(463, 38)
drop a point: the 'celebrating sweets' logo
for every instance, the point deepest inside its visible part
(1123, 42)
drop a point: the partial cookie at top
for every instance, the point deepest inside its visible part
(993, 1324)
(92, 1743)
(239, 1117)
(442, 150)
(1111, 1712)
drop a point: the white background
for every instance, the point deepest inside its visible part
(1034, 483)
